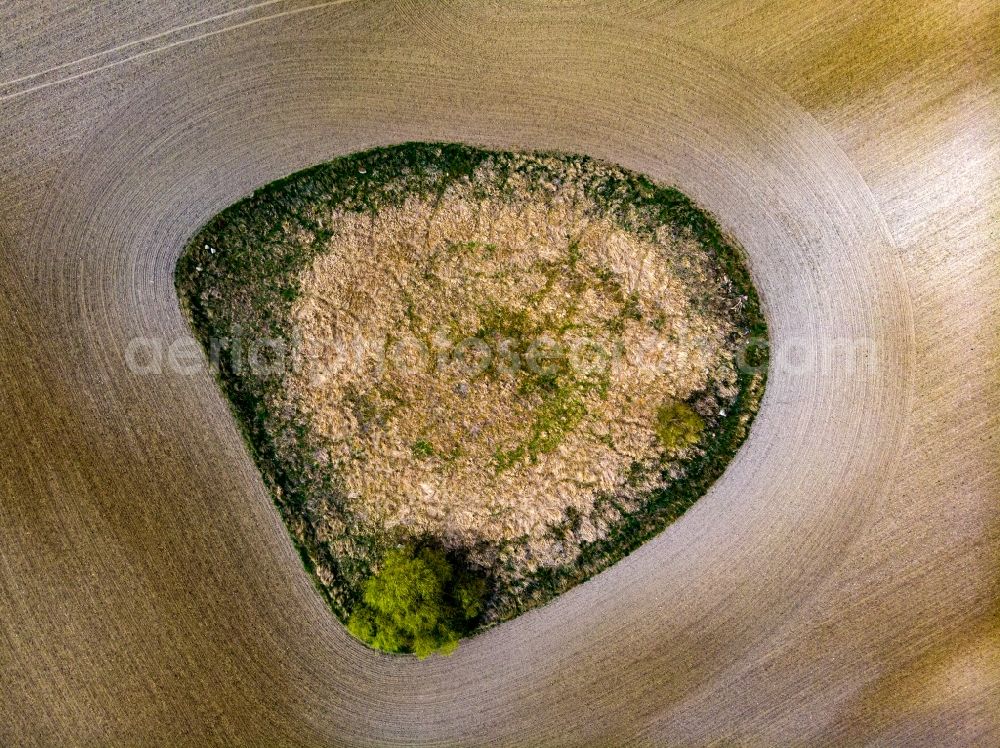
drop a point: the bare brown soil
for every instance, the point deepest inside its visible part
(837, 587)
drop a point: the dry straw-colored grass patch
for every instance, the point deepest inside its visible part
(479, 363)
(530, 359)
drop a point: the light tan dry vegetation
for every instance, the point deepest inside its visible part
(482, 362)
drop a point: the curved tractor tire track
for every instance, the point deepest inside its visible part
(152, 594)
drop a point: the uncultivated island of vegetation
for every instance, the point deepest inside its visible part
(473, 379)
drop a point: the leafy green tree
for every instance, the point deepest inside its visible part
(418, 602)
(678, 426)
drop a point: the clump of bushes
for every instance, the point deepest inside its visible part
(421, 601)
(678, 426)
(238, 279)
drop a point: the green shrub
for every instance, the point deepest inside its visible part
(422, 448)
(678, 426)
(419, 602)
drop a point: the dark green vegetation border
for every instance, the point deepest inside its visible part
(237, 280)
